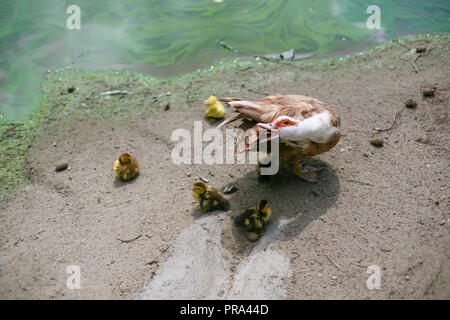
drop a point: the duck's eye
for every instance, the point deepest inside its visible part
(286, 122)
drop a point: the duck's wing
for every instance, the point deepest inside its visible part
(268, 109)
(240, 219)
(294, 106)
(251, 113)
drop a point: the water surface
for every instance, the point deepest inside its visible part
(169, 37)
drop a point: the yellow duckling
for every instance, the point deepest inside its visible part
(254, 219)
(214, 109)
(209, 198)
(126, 167)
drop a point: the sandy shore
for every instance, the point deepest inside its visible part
(383, 206)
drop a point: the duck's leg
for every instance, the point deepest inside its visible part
(300, 173)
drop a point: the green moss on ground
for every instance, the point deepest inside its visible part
(15, 140)
(149, 94)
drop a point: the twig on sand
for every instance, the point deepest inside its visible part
(404, 46)
(326, 255)
(361, 182)
(127, 241)
(414, 62)
(62, 69)
(393, 122)
(424, 53)
(156, 260)
(115, 92)
(165, 249)
(358, 265)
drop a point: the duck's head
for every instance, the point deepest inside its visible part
(263, 208)
(211, 101)
(125, 158)
(283, 127)
(199, 187)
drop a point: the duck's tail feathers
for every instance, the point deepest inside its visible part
(228, 99)
(233, 118)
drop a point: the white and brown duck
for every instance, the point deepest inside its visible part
(306, 126)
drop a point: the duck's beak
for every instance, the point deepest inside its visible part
(267, 126)
(274, 133)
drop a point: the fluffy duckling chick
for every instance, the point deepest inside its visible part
(126, 167)
(254, 219)
(209, 198)
(214, 109)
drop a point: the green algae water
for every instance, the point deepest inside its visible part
(170, 37)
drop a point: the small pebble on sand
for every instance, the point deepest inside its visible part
(429, 92)
(204, 179)
(61, 166)
(411, 104)
(377, 142)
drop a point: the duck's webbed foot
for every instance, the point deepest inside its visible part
(300, 173)
(254, 235)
